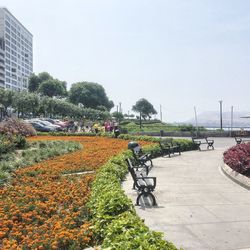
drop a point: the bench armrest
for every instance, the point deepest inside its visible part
(145, 157)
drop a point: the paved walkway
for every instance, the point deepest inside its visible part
(198, 206)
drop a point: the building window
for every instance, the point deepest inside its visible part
(7, 30)
(13, 46)
(13, 41)
(13, 52)
(7, 23)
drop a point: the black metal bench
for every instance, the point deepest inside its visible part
(240, 140)
(198, 141)
(145, 185)
(141, 159)
(168, 147)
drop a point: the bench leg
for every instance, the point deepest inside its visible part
(146, 194)
(138, 199)
(153, 199)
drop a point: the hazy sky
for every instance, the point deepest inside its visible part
(179, 53)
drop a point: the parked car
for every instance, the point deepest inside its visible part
(47, 123)
(41, 127)
(63, 125)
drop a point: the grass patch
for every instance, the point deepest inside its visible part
(153, 126)
(34, 152)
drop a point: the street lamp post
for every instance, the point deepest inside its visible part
(232, 117)
(220, 114)
(140, 120)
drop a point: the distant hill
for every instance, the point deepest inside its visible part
(212, 119)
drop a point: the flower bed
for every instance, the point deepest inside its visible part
(44, 209)
(238, 158)
(47, 206)
(32, 153)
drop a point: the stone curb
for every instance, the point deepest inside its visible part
(236, 177)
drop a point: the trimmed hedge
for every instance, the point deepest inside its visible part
(115, 223)
(185, 144)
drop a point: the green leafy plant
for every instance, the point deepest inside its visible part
(33, 153)
(115, 223)
(128, 231)
(6, 144)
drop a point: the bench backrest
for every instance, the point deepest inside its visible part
(131, 169)
(137, 182)
(137, 152)
(199, 139)
(166, 142)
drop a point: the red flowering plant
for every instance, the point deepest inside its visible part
(238, 158)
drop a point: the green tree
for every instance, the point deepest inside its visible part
(6, 99)
(34, 82)
(26, 104)
(44, 76)
(45, 84)
(91, 95)
(52, 87)
(145, 108)
(118, 115)
(47, 106)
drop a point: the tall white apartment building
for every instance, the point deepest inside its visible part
(16, 52)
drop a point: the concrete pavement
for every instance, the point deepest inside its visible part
(198, 206)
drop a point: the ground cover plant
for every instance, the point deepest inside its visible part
(18, 153)
(44, 208)
(238, 158)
